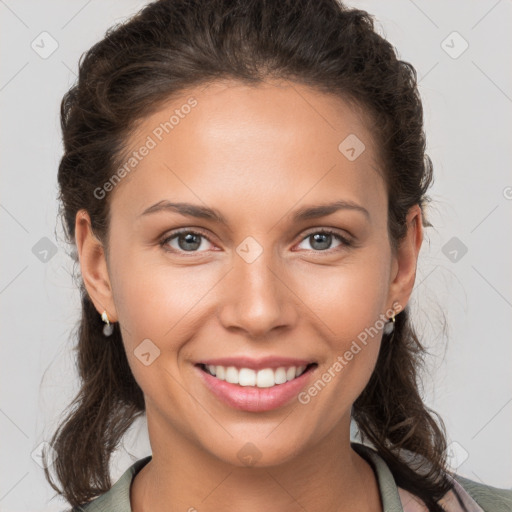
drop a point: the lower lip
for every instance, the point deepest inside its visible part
(252, 398)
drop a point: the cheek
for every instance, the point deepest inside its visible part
(152, 302)
(348, 298)
(151, 295)
(354, 340)
(348, 303)
(163, 304)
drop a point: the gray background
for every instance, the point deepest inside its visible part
(467, 101)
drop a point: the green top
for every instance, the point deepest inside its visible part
(474, 496)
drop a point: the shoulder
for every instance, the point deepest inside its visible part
(490, 499)
(117, 498)
(466, 496)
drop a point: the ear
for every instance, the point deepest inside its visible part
(93, 265)
(405, 260)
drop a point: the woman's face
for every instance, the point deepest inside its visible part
(266, 287)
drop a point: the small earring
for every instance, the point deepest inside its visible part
(390, 326)
(108, 328)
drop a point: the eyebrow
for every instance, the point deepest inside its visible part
(302, 214)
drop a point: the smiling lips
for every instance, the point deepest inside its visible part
(255, 385)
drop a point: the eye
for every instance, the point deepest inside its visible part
(186, 241)
(321, 240)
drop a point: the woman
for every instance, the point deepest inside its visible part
(245, 182)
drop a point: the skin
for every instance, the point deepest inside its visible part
(256, 154)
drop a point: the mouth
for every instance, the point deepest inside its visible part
(262, 378)
(255, 390)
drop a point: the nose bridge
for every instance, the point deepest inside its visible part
(253, 270)
(257, 297)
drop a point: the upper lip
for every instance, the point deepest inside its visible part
(257, 364)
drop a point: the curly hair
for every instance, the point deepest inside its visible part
(140, 64)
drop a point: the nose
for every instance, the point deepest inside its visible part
(257, 297)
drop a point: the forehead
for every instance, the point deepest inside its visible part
(274, 142)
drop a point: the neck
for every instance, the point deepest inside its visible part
(327, 476)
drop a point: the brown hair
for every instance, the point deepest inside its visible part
(140, 64)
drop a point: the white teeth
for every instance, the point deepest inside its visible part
(265, 378)
(220, 372)
(280, 376)
(290, 373)
(232, 375)
(246, 377)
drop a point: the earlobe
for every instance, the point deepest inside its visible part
(407, 259)
(93, 266)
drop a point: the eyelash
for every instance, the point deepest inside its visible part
(326, 231)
